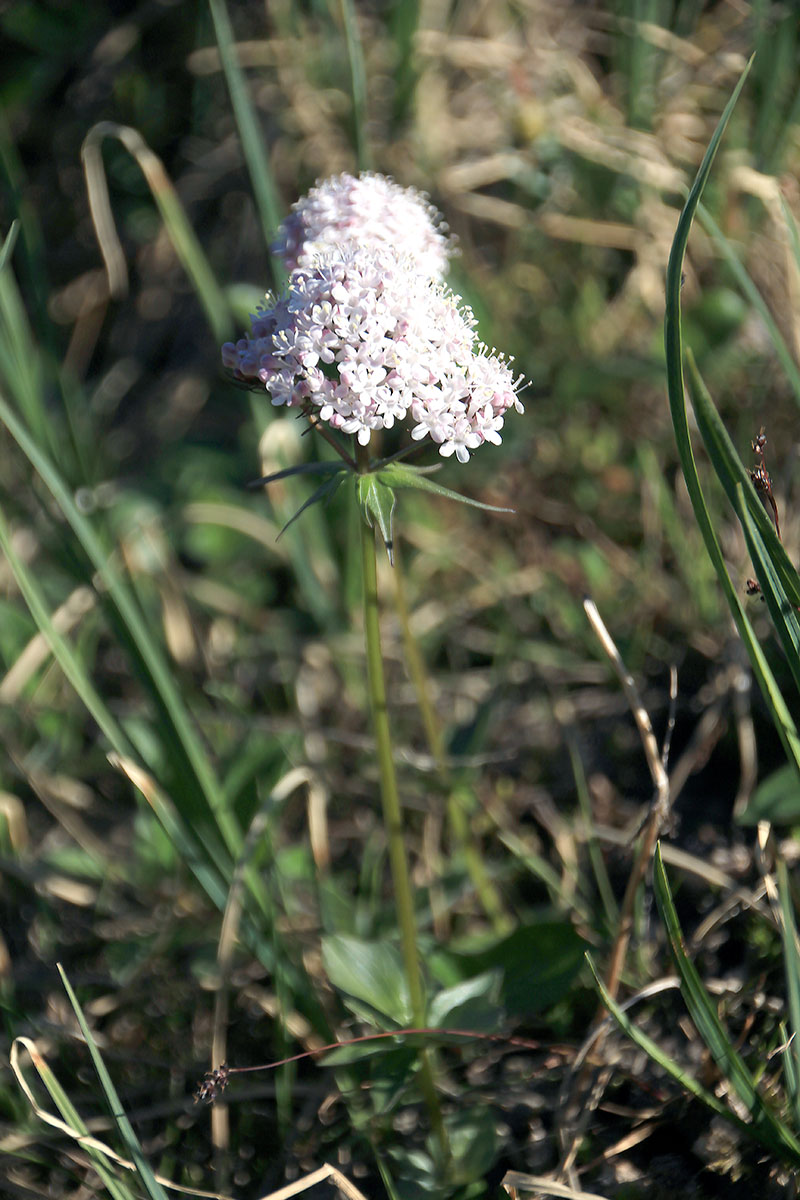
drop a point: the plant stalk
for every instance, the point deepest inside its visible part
(393, 816)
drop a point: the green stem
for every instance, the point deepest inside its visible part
(393, 816)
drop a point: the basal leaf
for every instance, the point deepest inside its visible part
(370, 971)
(776, 799)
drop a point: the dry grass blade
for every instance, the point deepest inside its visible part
(38, 650)
(326, 1172)
(660, 808)
(84, 1139)
(184, 241)
(544, 1187)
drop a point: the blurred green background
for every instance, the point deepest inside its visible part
(558, 141)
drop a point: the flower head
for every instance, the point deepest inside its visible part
(363, 339)
(369, 212)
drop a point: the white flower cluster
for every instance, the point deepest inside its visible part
(348, 212)
(364, 337)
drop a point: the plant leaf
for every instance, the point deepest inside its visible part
(784, 615)
(132, 1145)
(311, 468)
(654, 1051)
(323, 492)
(776, 799)
(472, 1004)
(791, 959)
(673, 346)
(766, 1126)
(538, 963)
(377, 502)
(732, 472)
(9, 243)
(403, 475)
(250, 133)
(370, 971)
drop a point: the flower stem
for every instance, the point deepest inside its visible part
(393, 821)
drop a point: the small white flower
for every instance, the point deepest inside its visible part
(365, 340)
(369, 212)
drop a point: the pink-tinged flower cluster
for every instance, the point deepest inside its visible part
(364, 340)
(365, 212)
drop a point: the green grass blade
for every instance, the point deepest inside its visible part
(672, 325)
(654, 1051)
(791, 959)
(252, 138)
(752, 293)
(180, 232)
(9, 243)
(132, 1145)
(194, 853)
(404, 19)
(20, 367)
(191, 847)
(732, 473)
(75, 1126)
(61, 650)
(604, 888)
(703, 1012)
(358, 82)
(184, 742)
(784, 615)
(673, 345)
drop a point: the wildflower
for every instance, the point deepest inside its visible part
(368, 212)
(363, 340)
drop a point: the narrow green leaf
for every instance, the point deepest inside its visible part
(190, 844)
(654, 1051)
(784, 615)
(791, 960)
(21, 365)
(132, 1145)
(403, 475)
(9, 243)
(732, 473)
(312, 468)
(193, 767)
(252, 137)
(358, 82)
(323, 492)
(704, 1014)
(60, 648)
(179, 230)
(117, 1188)
(404, 19)
(673, 346)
